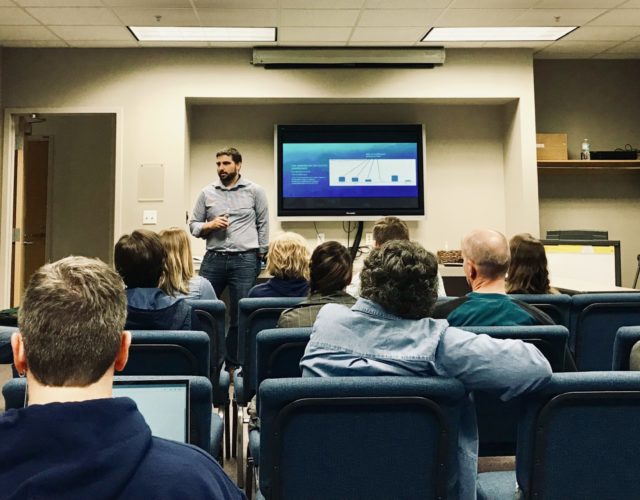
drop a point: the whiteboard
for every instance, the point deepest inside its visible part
(586, 262)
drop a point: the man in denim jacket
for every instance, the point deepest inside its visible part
(389, 332)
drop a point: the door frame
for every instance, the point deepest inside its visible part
(11, 116)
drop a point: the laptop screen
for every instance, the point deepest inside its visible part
(163, 403)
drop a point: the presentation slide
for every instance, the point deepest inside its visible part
(350, 170)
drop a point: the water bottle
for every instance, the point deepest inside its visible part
(585, 153)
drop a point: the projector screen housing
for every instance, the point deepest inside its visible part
(349, 172)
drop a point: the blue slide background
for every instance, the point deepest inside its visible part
(314, 158)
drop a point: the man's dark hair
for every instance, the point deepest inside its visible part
(330, 268)
(71, 320)
(390, 228)
(401, 276)
(232, 152)
(139, 258)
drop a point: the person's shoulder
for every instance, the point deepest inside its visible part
(173, 470)
(446, 307)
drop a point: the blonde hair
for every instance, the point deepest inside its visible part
(178, 266)
(288, 257)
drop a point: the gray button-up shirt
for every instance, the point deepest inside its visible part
(246, 205)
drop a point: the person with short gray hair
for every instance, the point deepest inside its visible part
(389, 331)
(486, 259)
(75, 440)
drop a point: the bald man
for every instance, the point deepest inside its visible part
(486, 257)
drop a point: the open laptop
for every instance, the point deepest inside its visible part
(164, 403)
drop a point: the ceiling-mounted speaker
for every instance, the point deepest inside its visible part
(368, 57)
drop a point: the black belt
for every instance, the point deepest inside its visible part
(216, 252)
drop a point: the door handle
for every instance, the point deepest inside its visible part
(27, 242)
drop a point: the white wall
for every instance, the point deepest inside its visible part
(598, 100)
(82, 184)
(150, 87)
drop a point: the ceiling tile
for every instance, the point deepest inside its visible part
(407, 4)
(631, 4)
(13, 16)
(237, 17)
(587, 48)
(236, 4)
(626, 48)
(74, 16)
(567, 17)
(516, 45)
(457, 45)
(596, 33)
(305, 43)
(147, 17)
(319, 35)
(89, 33)
(295, 17)
(612, 55)
(26, 33)
(619, 17)
(381, 44)
(410, 35)
(146, 4)
(59, 3)
(577, 4)
(7, 3)
(394, 18)
(492, 4)
(479, 17)
(101, 44)
(326, 4)
(35, 44)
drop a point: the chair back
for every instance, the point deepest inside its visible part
(578, 437)
(211, 317)
(279, 351)
(626, 338)
(362, 437)
(595, 319)
(497, 419)
(255, 315)
(556, 306)
(168, 352)
(6, 354)
(199, 400)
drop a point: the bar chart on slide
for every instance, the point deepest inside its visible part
(372, 172)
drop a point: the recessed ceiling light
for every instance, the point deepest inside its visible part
(202, 34)
(498, 34)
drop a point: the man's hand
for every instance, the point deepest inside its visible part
(220, 222)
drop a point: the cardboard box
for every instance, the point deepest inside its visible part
(551, 146)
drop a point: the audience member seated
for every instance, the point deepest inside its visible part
(178, 278)
(528, 273)
(387, 229)
(389, 332)
(486, 257)
(330, 273)
(288, 263)
(139, 258)
(74, 440)
(634, 357)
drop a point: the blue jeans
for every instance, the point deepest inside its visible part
(239, 272)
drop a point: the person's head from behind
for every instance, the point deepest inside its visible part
(139, 258)
(485, 255)
(401, 276)
(288, 257)
(71, 323)
(528, 269)
(389, 228)
(178, 265)
(330, 268)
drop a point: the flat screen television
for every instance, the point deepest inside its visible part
(355, 172)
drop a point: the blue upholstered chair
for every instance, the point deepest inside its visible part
(595, 319)
(626, 337)
(254, 315)
(6, 356)
(577, 439)
(498, 420)
(358, 437)
(211, 315)
(556, 306)
(206, 427)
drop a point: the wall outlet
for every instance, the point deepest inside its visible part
(149, 217)
(368, 239)
(320, 238)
